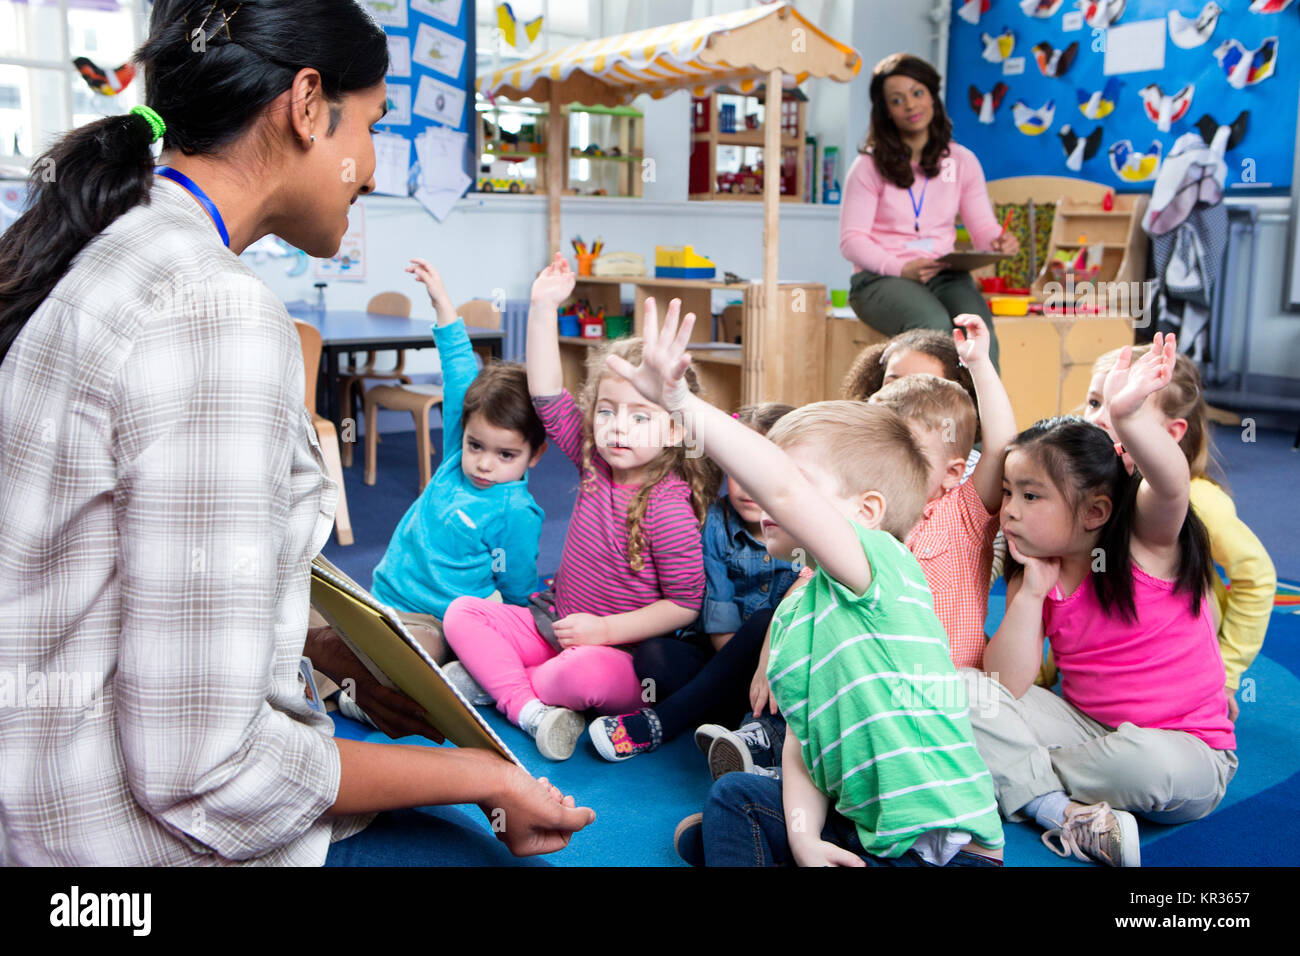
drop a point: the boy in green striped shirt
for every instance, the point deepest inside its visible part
(880, 765)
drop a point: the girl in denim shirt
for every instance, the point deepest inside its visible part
(712, 672)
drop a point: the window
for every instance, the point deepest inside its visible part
(42, 95)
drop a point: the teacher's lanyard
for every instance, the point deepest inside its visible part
(195, 190)
(916, 206)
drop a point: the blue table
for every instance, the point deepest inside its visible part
(347, 330)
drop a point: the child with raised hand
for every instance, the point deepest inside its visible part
(1114, 570)
(631, 568)
(843, 481)
(475, 527)
(1245, 607)
(743, 586)
(953, 541)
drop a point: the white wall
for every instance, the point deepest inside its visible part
(499, 242)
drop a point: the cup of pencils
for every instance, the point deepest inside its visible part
(586, 258)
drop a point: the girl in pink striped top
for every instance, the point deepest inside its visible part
(632, 566)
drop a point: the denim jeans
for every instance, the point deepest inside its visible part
(744, 825)
(433, 836)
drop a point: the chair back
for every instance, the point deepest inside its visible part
(309, 335)
(480, 314)
(390, 303)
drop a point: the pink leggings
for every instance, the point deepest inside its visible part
(501, 648)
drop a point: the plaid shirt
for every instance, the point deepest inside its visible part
(161, 497)
(953, 542)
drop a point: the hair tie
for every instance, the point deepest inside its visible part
(155, 121)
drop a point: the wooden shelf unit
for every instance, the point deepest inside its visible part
(707, 136)
(786, 353)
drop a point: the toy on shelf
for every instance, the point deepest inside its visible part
(586, 257)
(728, 136)
(619, 264)
(1082, 264)
(685, 263)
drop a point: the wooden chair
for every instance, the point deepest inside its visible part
(325, 433)
(352, 380)
(419, 399)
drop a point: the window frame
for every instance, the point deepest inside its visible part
(66, 101)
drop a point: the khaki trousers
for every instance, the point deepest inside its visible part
(1039, 743)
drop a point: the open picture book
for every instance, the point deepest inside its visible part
(376, 635)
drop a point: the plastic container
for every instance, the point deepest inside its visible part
(570, 326)
(839, 298)
(585, 261)
(618, 326)
(1007, 305)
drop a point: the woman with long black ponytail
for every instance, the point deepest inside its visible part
(1113, 570)
(161, 492)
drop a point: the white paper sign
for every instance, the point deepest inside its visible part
(1013, 66)
(440, 52)
(448, 11)
(391, 13)
(436, 100)
(392, 163)
(399, 56)
(1135, 47)
(442, 175)
(399, 106)
(1072, 21)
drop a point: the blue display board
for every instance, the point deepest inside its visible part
(431, 71)
(1196, 63)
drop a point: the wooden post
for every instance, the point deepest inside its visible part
(766, 348)
(556, 148)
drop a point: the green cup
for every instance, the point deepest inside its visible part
(618, 326)
(840, 298)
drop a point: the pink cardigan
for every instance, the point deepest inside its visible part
(877, 220)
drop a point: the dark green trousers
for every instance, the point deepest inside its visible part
(890, 304)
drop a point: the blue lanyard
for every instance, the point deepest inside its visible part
(916, 206)
(195, 190)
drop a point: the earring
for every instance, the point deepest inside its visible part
(313, 139)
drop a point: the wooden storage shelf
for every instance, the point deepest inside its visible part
(786, 351)
(750, 137)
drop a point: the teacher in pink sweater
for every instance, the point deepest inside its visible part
(902, 196)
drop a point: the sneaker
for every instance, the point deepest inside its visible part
(556, 730)
(705, 734)
(1097, 833)
(458, 676)
(688, 839)
(744, 750)
(348, 708)
(614, 743)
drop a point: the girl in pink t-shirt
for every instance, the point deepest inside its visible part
(1114, 571)
(632, 567)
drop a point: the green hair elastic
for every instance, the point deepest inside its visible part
(153, 119)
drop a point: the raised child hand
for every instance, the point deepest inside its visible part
(972, 343)
(1129, 383)
(437, 291)
(661, 376)
(554, 284)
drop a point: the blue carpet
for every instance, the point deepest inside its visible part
(639, 802)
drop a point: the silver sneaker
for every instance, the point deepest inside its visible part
(459, 677)
(556, 730)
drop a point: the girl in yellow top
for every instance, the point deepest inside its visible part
(1243, 609)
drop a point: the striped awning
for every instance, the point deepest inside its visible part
(736, 49)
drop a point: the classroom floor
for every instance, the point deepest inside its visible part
(638, 802)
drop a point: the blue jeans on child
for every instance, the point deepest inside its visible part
(744, 825)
